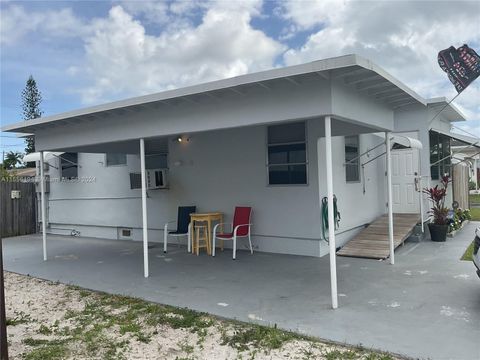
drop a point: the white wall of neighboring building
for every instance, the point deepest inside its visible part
(216, 171)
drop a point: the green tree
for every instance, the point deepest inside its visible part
(4, 175)
(31, 100)
(12, 158)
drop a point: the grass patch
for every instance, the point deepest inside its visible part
(354, 353)
(38, 342)
(256, 336)
(375, 356)
(44, 330)
(475, 212)
(47, 352)
(46, 349)
(337, 354)
(468, 255)
(20, 318)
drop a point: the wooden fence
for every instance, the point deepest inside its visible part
(17, 216)
(460, 185)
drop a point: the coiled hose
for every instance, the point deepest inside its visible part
(324, 214)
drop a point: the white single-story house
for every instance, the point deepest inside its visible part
(279, 141)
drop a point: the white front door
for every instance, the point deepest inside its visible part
(404, 170)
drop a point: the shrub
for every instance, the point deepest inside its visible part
(438, 211)
(471, 185)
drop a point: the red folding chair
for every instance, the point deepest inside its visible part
(240, 228)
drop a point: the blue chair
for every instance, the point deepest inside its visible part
(183, 226)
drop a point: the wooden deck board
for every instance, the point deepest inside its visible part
(372, 242)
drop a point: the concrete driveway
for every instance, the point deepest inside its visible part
(427, 305)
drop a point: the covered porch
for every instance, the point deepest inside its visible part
(337, 97)
(285, 217)
(426, 306)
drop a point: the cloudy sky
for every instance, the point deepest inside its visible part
(87, 52)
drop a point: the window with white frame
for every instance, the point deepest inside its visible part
(352, 161)
(116, 159)
(287, 154)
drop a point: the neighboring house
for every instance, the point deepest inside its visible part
(23, 174)
(257, 140)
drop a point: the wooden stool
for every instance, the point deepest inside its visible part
(201, 234)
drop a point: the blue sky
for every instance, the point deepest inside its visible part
(87, 52)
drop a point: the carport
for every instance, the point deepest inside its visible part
(347, 95)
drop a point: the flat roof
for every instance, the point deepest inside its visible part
(451, 112)
(356, 71)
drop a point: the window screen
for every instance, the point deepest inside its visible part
(114, 159)
(287, 154)
(69, 165)
(352, 150)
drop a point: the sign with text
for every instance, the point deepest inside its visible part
(462, 65)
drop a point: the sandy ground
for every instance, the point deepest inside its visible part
(33, 304)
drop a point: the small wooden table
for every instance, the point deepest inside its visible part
(208, 218)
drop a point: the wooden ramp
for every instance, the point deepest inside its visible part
(372, 242)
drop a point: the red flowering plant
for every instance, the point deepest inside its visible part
(437, 196)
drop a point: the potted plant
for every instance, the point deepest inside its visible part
(438, 213)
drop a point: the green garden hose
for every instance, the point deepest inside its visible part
(324, 214)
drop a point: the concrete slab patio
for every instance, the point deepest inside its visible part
(427, 305)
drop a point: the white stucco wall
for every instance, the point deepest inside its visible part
(418, 119)
(221, 169)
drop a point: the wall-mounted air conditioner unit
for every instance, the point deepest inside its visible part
(157, 179)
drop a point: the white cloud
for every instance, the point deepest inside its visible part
(123, 59)
(146, 46)
(308, 13)
(403, 37)
(15, 23)
(152, 11)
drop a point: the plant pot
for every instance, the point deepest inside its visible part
(438, 232)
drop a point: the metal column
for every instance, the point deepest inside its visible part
(331, 220)
(144, 207)
(389, 197)
(43, 205)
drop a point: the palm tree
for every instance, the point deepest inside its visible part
(12, 158)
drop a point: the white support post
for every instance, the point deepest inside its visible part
(475, 173)
(421, 203)
(389, 197)
(43, 205)
(420, 184)
(144, 207)
(331, 220)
